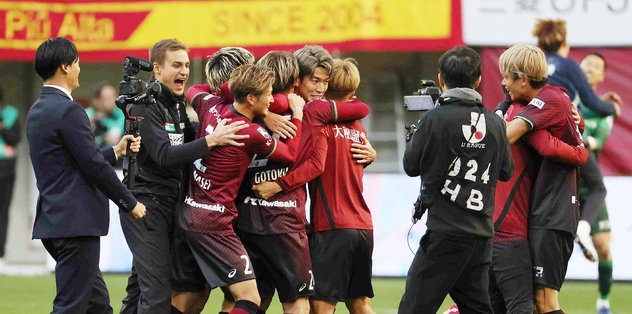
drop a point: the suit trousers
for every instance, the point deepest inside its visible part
(150, 240)
(80, 285)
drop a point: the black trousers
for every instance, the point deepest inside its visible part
(150, 240)
(511, 278)
(80, 285)
(446, 264)
(6, 192)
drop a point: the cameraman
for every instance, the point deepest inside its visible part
(167, 146)
(460, 150)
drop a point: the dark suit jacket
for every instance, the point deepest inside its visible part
(73, 176)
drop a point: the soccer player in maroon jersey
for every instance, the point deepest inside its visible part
(209, 211)
(273, 230)
(511, 275)
(554, 211)
(341, 223)
(315, 67)
(190, 291)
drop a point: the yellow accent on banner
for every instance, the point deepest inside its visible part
(223, 23)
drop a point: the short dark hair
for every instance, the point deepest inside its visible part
(311, 57)
(460, 67)
(600, 56)
(97, 89)
(53, 53)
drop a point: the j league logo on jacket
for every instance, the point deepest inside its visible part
(475, 131)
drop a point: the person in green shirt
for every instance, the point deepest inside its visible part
(593, 190)
(106, 119)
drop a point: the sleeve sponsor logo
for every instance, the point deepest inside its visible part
(199, 166)
(266, 135)
(176, 139)
(537, 103)
(258, 162)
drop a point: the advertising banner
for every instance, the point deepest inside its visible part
(108, 30)
(590, 23)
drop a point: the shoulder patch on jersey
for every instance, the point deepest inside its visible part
(265, 135)
(537, 102)
(209, 96)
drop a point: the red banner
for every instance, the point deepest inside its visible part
(109, 30)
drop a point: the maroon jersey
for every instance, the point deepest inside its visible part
(209, 205)
(310, 163)
(311, 160)
(513, 197)
(336, 196)
(284, 212)
(555, 201)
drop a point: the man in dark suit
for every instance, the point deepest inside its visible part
(73, 178)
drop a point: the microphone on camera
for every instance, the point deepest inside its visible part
(139, 63)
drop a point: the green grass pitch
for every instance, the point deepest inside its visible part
(35, 295)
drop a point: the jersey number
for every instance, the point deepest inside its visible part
(475, 199)
(247, 269)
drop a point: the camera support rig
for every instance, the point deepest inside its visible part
(134, 95)
(422, 100)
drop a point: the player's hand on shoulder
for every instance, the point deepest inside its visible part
(226, 134)
(280, 125)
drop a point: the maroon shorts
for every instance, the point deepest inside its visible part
(222, 258)
(342, 263)
(282, 262)
(185, 272)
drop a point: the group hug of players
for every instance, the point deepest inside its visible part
(241, 222)
(539, 211)
(266, 128)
